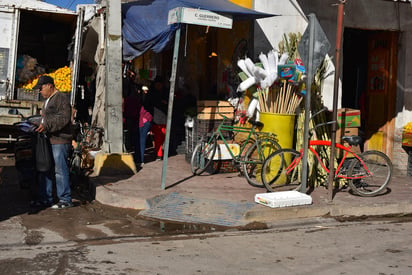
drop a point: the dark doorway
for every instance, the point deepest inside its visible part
(355, 67)
(369, 83)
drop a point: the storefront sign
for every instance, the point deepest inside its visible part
(199, 17)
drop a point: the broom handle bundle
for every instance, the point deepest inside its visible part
(281, 99)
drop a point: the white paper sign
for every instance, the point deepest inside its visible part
(199, 17)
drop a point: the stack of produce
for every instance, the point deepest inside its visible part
(407, 135)
(62, 80)
(408, 127)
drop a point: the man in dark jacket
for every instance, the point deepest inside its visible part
(56, 123)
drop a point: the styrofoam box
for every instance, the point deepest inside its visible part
(283, 199)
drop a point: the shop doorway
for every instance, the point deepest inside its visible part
(369, 84)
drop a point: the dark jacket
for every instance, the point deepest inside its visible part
(57, 119)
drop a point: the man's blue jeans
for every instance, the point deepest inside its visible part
(60, 174)
(140, 143)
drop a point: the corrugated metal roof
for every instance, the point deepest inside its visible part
(34, 5)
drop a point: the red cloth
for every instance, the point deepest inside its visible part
(159, 132)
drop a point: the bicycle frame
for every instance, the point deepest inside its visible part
(338, 169)
(239, 129)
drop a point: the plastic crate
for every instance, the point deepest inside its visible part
(409, 168)
(283, 199)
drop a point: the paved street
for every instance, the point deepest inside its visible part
(312, 246)
(94, 238)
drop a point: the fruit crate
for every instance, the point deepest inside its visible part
(407, 139)
(214, 109)
(23, 94)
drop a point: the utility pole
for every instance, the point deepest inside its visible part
(113, 158)
(113, 102)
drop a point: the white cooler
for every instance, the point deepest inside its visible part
(283, 199)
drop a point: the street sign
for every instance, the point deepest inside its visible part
(199, 17)
(321, 46)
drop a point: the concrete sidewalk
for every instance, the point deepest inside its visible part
(229, 190)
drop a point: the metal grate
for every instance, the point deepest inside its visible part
(180, 208)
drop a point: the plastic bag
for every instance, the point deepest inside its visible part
(43, 153)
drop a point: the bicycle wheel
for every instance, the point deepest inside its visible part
(372, 176)
(202, 156)
(75, 165)
(75, 172)
(282, 168)
(81, 186)
(254, 158)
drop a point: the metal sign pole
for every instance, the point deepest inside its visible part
(335, 100)
(307, 103)
(170, 107)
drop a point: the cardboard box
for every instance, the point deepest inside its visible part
(349, 118)
(346, 132)
(406, 139)
(283, 199)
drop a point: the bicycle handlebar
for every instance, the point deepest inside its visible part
(323, 124)
(319, 112)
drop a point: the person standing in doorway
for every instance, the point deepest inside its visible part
(157, 106)
(56, 123)
(145, 124)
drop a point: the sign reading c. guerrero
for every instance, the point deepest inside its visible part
(199, 17)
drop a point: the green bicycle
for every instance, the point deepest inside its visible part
(252, 151)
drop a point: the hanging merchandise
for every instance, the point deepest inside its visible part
(279, 88)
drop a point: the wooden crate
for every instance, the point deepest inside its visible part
(407, 139)
(211, 109)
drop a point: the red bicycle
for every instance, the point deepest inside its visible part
(367, 173)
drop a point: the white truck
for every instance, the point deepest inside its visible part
(35, 37)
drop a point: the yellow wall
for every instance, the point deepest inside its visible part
(244, 3)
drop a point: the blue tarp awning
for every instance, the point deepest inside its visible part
(145, 22)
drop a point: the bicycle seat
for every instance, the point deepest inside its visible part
(256, 123)
(352, 140)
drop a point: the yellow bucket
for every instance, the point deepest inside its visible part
(283, 126)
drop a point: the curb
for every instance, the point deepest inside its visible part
(110, 197)
(276, 214)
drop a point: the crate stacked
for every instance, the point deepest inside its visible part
(349, 121)
(209, 116)
(407, 145)
(24, 94)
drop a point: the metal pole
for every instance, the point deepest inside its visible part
(307, 103)
(335, 98)
(170, 107)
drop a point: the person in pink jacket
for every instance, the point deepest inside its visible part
(145, 123)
